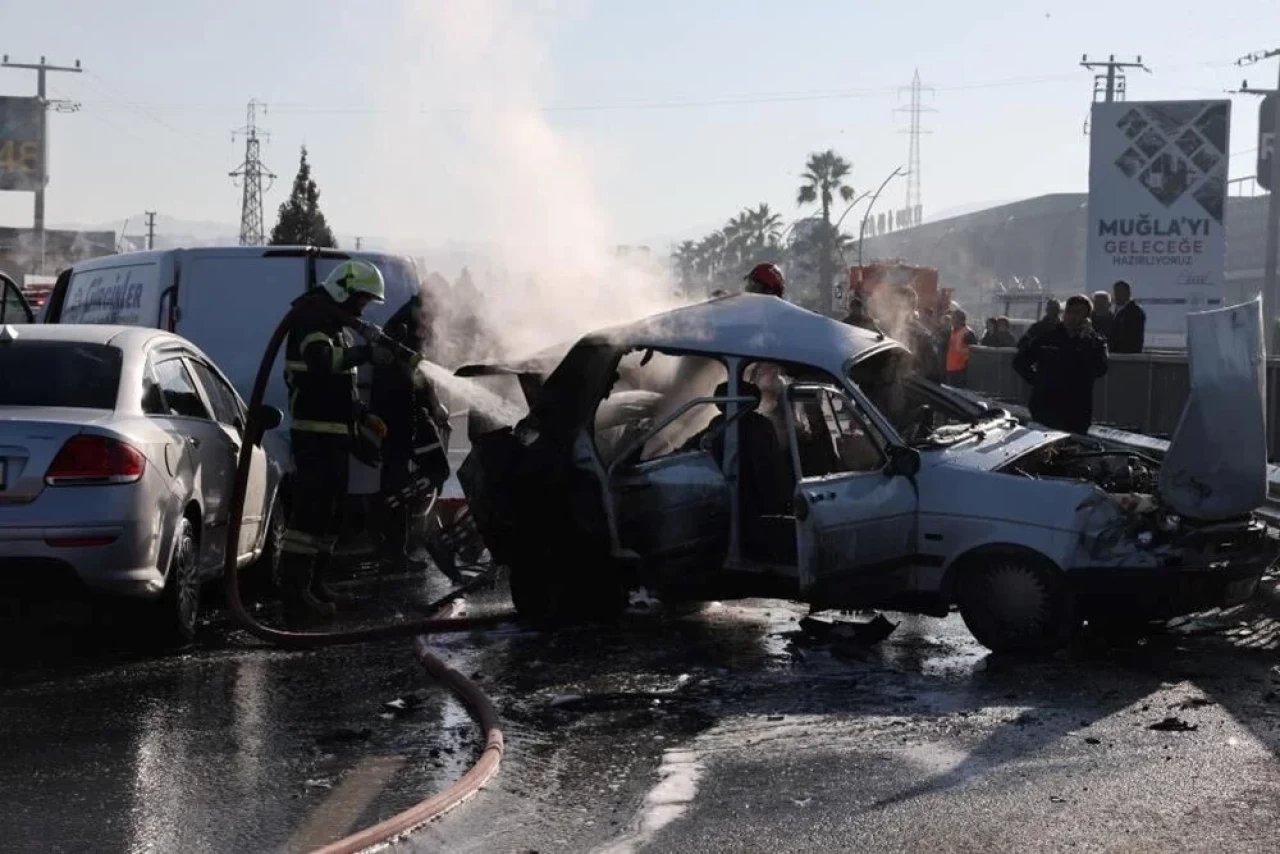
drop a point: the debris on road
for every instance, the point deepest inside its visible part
(1172, 724)
(405, 705)
(866, 633)
(565, 700)
(1194, 703)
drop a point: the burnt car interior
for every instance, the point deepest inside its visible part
(660, 434)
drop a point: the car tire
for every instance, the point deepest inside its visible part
(569, 589)
(177, 612)
(264, 574)
(1016, 602)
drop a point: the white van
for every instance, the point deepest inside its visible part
(227, 301)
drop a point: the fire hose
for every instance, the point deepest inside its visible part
(471, 696)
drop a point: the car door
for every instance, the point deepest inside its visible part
(672, 509)
(855, 521)
(229, 413)
(13, 305)
(209, 450)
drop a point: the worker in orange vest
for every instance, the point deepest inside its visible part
(962, 338)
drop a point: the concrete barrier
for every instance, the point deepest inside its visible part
(1141, 393)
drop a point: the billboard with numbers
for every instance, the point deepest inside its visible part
(22, 144)
(1157, 198)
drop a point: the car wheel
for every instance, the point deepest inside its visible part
(1016, 602)
(178, 611)
(264, 574)
(568, 589)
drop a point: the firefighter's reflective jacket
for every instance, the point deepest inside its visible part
(321, 358)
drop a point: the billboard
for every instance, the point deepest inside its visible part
(1157, 197)
(22, 149)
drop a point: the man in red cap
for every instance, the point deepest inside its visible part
(766, 279)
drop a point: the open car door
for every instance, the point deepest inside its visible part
(13, 305)
(673, 511)
(855, 513)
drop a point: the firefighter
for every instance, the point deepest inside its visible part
(328, 425)
(417, 424)
(766, 279)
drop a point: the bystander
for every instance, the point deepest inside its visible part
(1129, 327)
(1061, 366)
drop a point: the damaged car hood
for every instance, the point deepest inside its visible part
(1216, 465)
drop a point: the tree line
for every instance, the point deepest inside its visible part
(811, 250)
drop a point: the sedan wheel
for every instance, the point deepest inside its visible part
(179, 606)
(1016, 603)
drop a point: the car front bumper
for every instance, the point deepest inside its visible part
(1183, 581)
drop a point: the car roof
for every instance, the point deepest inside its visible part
(123, 337)
(752, 326)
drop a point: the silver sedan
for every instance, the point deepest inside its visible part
(118, 449)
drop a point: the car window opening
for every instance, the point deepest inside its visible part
(648, 387)
(922, 412)
(70, 374)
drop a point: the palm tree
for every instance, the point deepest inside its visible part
(824, 177)
(765, 229)
(685, 257)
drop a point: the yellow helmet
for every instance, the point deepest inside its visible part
(355, 277)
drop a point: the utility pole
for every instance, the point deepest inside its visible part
(914, 209)
(41, 68)
(251, 172)
(1271, 288)
(151, 229)
(1111, 84)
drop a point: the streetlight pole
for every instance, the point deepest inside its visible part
(862, 230)
(846, 210)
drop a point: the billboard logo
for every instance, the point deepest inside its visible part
(1177, 148)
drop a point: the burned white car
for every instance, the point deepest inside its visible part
(748, 447)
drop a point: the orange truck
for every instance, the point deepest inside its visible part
(864, 280)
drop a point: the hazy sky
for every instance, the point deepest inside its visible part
(424, 119)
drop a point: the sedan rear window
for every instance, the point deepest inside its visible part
(59, 373)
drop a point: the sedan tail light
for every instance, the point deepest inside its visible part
(86, 460)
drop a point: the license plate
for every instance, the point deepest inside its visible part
(1239, 591)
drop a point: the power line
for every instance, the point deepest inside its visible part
(1111, 85)
(914, 210)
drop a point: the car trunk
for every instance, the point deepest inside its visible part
(29, 441)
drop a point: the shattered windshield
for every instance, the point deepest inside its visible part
(922, 411)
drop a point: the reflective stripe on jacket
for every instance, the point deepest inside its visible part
(320, 370)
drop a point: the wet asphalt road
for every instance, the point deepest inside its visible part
(720, 730)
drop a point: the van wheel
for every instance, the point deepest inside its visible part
(178, 611)
(1016, 602)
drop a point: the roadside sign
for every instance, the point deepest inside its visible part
(1157, 198)
(22, 149)
(1266, 140)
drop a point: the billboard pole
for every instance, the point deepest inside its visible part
(1271, 287)
(40, 68)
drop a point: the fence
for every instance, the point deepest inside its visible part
(1142, 392)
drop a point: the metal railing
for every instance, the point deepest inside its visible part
(1141, 393)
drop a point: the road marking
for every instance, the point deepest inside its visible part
(337, 814)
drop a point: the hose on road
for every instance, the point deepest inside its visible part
(476, 702)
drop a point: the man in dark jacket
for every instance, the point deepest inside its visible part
(1061, 365)
(414, 416)
(1103, 317)
(1052, 317)
(1130, 324)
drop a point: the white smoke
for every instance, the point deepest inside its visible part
(552, 273)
